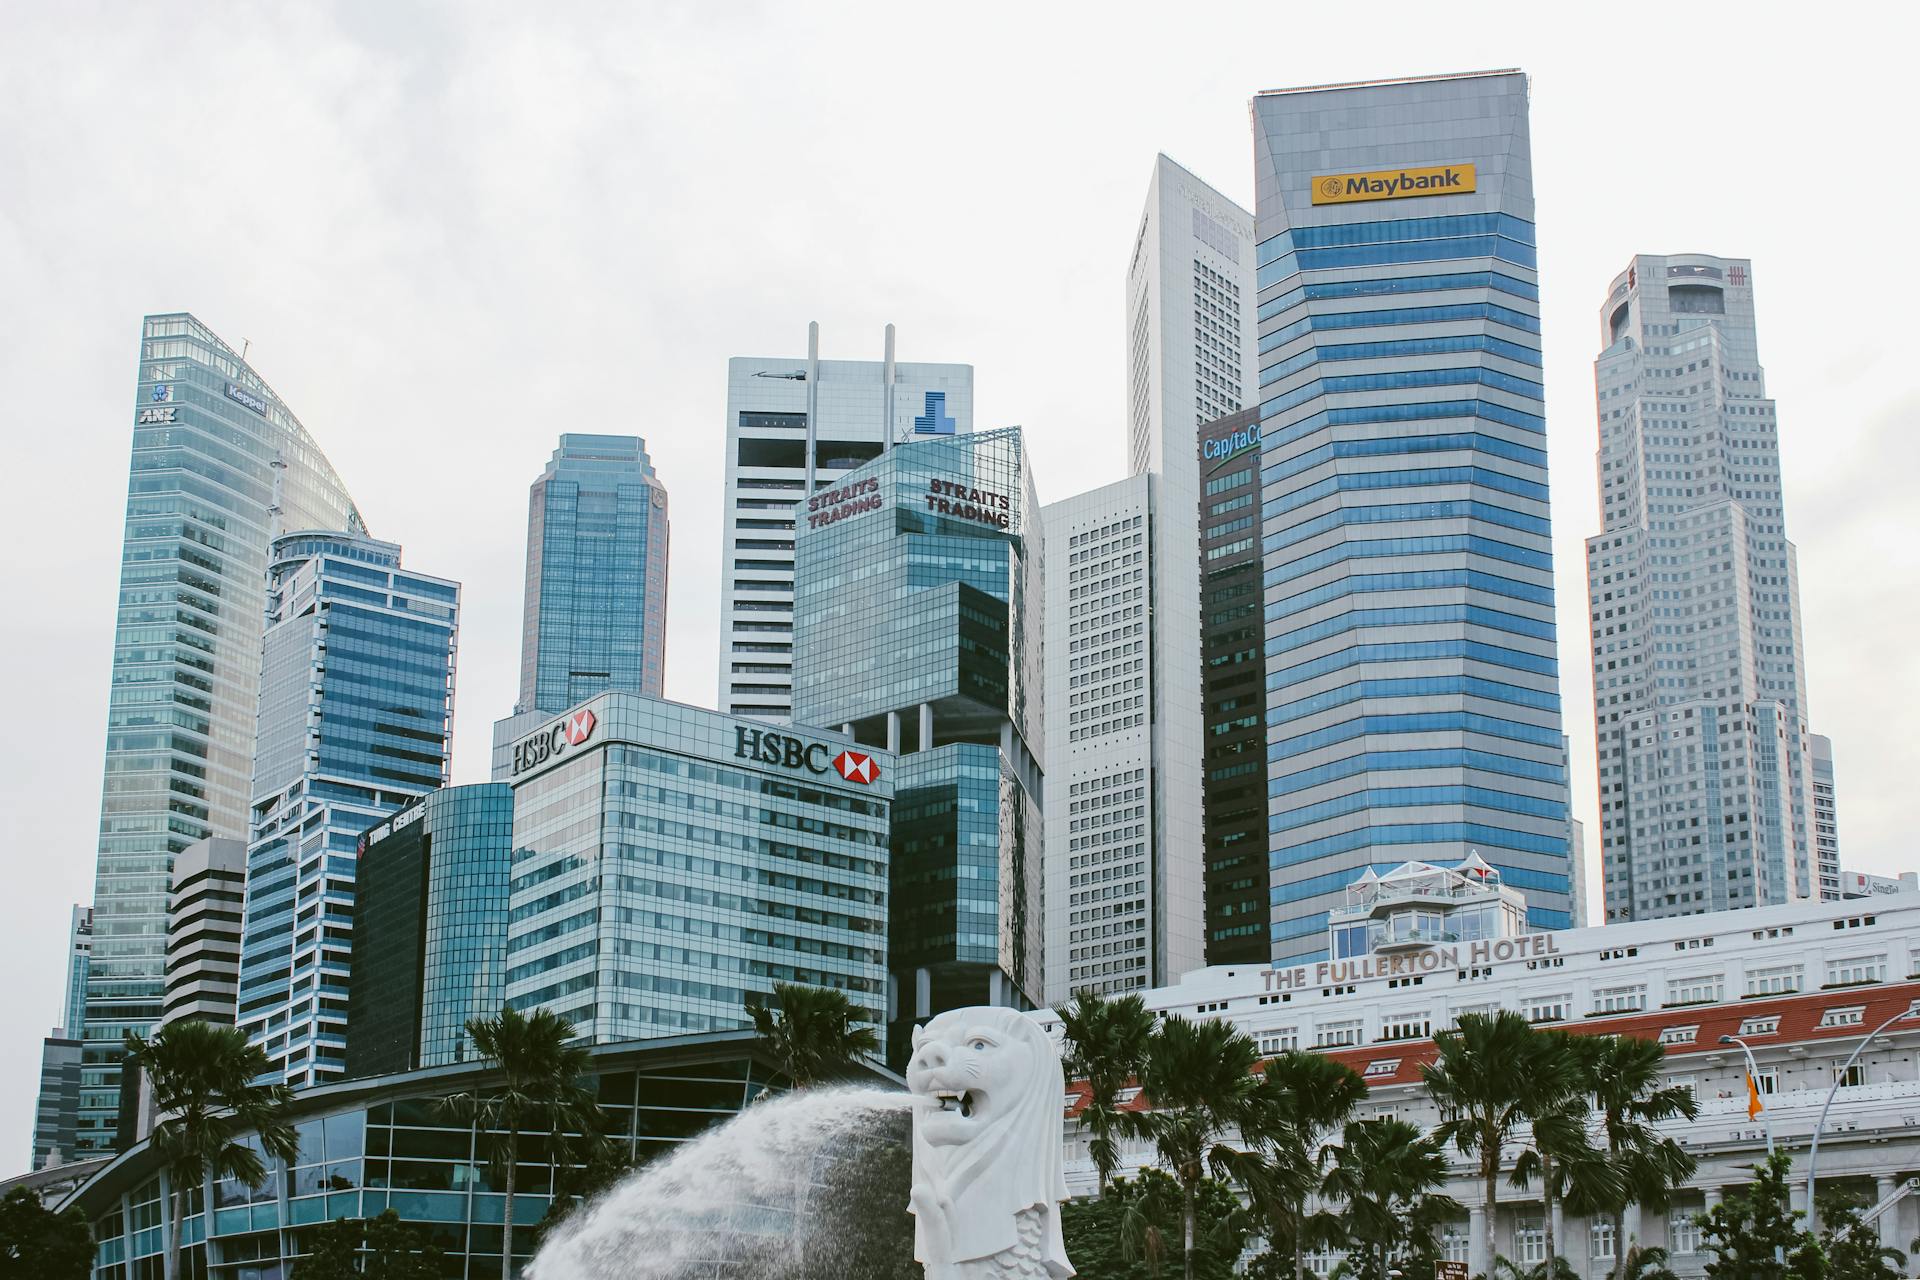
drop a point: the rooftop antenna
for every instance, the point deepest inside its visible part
(813, 397)
(887, 447)
(246, 345)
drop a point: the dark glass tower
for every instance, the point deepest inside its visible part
(220, 467)
(917, 596)
(430, 925)
(596, 603)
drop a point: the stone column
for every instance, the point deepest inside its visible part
(1560, 1229)
(1797, 1196)
(1479, 1255)
(1713, 1198)
(1889, 1221)
(922, 993)
(1576, 1244)
(1631, 1229)
(893, 732)
(926, 726)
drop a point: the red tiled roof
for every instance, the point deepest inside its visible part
(1799, 1023)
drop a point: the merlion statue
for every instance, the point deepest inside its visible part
(987, 1171)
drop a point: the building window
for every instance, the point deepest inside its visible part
(1853, 1077)
(1619, 999)
(1333, 1035)
(1850, 1016)
(1405, 1027)
(1381, 1067)
(1760, 1026)
(1599, 1240)
(1678, 1035)
(1779, 980)
(1857, 971)
(1686, 1233)
(1695, 991)
(1530, 1240)
(1548, 1009)
(1283, 1041)
(1455, 1244)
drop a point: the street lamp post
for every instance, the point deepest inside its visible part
(1813, 1151)
(1753, 1074)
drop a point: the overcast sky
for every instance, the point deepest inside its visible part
(451, 232)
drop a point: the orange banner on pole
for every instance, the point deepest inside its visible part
(1753, 1097)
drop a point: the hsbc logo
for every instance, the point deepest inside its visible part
(857, 766)
(767, 747)
(560, 736)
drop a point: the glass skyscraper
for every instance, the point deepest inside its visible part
(918, 599)
(430, 929)
(1708, 771)
(219, 468)
(596, 602)
(356, 716)
(1412, 687)
(671, 864)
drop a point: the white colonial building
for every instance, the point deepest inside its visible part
(1801, 984)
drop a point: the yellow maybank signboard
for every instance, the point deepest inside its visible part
(1393, 184)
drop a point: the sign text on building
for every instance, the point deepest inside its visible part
(767, 747)
(531, 752)
(1333, 973)
(1223, 447)
(945, 497)
(240, 395)
(831, 505)
(1394, 184)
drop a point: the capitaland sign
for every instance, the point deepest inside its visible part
(832, 505)
(1221, 448)
(1394, 184)
(557, 738)
(1488, 951)
(763, 746)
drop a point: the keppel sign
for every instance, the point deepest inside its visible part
(562, 735)
(1393, 184)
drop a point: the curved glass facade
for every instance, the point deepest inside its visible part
(1392, 686)
(220, 467)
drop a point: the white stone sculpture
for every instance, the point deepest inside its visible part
(987, 1173)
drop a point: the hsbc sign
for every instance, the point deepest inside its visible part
(766, 747)
(562, 735)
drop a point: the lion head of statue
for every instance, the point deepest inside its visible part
(987, 1127)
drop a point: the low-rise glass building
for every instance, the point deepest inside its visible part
(918, 593)
(431, 916)
(671, 864)
(382, 1143)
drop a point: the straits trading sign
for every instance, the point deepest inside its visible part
(562, 735)
(1393, 184)
(830, 506)
(1470, 955)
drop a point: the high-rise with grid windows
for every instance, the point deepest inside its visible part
(1710, 781)
(1412, 683)
(220, 468)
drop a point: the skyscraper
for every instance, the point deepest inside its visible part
(1413, 705)
(596, 600)
(1826, 817)
(1192, 357)
(918, 600)
(1707, 769)
(1123, 873)
(219, 468)
(794, 424)
(356, 717)
(56, 1123)
(204, 919)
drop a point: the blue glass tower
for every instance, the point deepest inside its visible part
(1413, 701)
(220, 467)
(596, 602)
(356, 714)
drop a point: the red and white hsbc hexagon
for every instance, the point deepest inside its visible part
(857, 766)
(570, 732)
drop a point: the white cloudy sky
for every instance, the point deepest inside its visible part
(452, 231)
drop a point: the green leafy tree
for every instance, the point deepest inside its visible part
(1106, 1045)
(1853, 1251)
(1554, 1098)
(1647, 1262)
(399, 1251)
(1302, 1099)
(1129, 1233)
(1755, 1236)
(1383, 1172)
(1200, 1086)
(1492, 1068)
(1625, 1077)
(818, 1036)
(38, 1244)
(333, 1250)
(539, 1093)
(202, 1077)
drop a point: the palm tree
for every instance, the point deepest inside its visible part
(1490, 1069)
(1106, 1044)
(1623, 1075)
(1561, 1154)
(1199, 1083)
(1303, 1099)
(818, 1036)
(1649, 1263)
(539, 1092)
(202, 1076)
(1383, 1169)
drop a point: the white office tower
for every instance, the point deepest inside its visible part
(1191, 358)
(1705, 761)
(795, 425)
(1124, 879)
(1826, 820)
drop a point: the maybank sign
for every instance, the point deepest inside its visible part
(1223, 447)
(1393, 184)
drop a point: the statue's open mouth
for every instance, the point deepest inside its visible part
(955, 1100)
